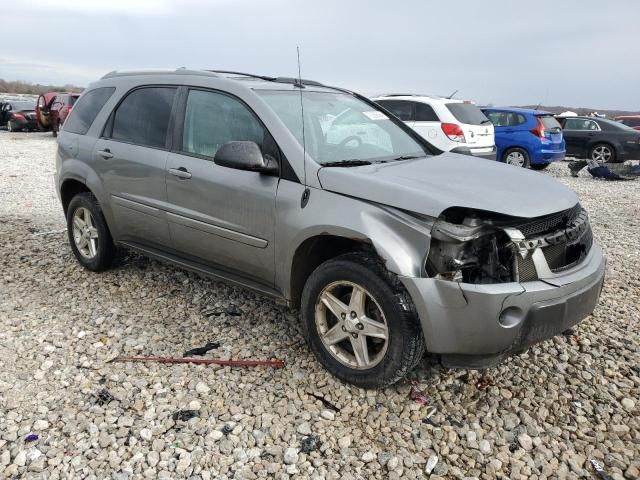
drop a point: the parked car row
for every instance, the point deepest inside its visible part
(47, 113)
(323, 199)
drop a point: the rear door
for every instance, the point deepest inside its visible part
(427, 123)
(221, 216)
(578, 134)
(132, 158)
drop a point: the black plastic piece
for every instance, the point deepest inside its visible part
(305, 197)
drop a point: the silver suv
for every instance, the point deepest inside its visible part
(319, 198)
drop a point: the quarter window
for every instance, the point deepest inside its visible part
(86, 110)
(143, 117)
(400, 108)
(424, 113)
(506, 119)
(213, 119)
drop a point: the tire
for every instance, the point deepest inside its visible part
(539, 166)
(388, 310)
(11, 127)
(603, 153)
(516, 157)
(99, 254)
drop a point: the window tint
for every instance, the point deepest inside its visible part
(143, 117)
(467, 113)
(400, 108)
(506, 119)
(86, 110)
(630, 122)
(424, 113)
(580, 124)
(213, 119)
(549, 122)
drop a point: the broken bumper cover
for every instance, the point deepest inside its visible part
(477, 325)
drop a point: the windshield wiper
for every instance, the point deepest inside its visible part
(486, 120)
(408, 157)
(354, 162)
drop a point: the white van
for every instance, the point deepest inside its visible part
(450, 124)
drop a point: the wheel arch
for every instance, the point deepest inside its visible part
(69, 189)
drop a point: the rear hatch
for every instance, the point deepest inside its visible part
(552, 131)
(478, 130)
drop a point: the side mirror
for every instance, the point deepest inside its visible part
(245, 156)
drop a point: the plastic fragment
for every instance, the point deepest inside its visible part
(32, 437)
(184, 415)
(418, 396)
(310, 443)
(202, 350)
(103, 397)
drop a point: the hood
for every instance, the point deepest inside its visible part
(431, 185)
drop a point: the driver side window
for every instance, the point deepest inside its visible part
(213, 119)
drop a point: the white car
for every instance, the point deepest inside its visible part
(450, 124)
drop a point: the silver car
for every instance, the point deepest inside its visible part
(323, 200)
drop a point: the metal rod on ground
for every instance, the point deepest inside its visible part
(232, 363)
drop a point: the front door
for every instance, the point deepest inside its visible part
(218, 215)
(132, 160)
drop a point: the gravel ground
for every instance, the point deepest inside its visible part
(543, 414)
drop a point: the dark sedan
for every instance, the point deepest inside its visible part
(18, 115)
(600, 139)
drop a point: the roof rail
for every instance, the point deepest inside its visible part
(179, 71)
(408, 95)
(290, 80)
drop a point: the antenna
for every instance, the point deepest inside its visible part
(307, 192)
(451, 96)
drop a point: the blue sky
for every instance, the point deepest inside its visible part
(571, 52)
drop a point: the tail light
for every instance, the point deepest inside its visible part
(538, 130)
(454, 132)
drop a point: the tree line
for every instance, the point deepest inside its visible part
(19, 86)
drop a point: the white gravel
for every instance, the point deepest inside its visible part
(543, 414)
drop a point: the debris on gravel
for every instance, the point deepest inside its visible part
(543, 414)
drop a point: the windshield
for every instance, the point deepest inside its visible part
(467, 113)
(23, 106)
(339, 127)
(549, 122)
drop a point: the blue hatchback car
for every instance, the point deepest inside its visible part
(526, 138)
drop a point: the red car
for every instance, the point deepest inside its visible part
(53, 108)
(632, 121)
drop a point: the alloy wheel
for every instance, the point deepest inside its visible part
(516, 159)
(351, 325)
(85, 233)
(601, 154)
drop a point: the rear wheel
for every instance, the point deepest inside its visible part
(12, 127)
(539, 166)
(602, 153)
(360, 322)
(516, 157)
(88, 233)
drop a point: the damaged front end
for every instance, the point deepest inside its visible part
(483, 248)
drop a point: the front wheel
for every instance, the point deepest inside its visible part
(88, 233)
(602, 153)
(539, 166)
(516, 157)
(360, 322)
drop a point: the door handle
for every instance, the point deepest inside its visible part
(180, 172)
(106, 153)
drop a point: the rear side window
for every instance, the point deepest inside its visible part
(400, 108)
(213, 119)
(549, 122)
(580, 124)
(506, 119)
(143, 117)
(86, 110)
(467, 113)
(424, 113)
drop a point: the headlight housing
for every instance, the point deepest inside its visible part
(472, 252)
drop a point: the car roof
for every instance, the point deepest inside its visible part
(628, 116)
(529, 111)
(416, 98)
(249, 80)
